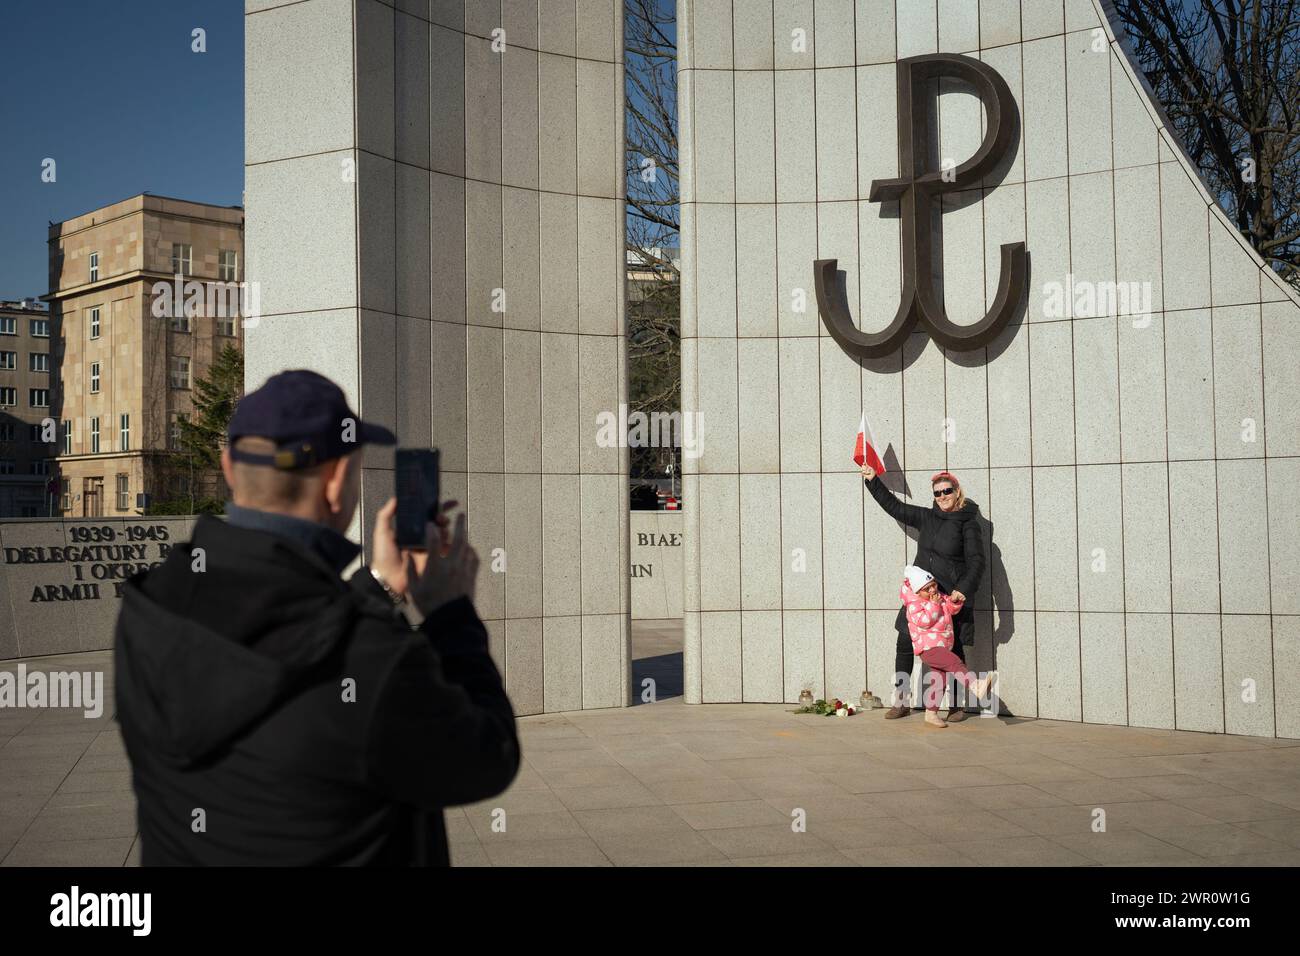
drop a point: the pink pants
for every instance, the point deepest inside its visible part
(943, 662)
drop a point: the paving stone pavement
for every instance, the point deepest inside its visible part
(672, 784)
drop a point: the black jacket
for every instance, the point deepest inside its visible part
(299, 712)
(950, 546)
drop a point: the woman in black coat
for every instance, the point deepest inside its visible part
(951, 547)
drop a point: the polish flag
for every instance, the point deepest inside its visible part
(867, 449)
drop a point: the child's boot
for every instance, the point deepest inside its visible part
(984, 685)
(934, 720)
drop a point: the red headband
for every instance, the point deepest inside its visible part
(945, 474)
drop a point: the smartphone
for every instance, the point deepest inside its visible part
(417, 494)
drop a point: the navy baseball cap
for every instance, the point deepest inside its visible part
(308, 418)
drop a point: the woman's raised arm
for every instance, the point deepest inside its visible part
(900, 511)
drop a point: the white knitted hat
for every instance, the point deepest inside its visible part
(917, 578)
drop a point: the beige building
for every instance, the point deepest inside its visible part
(144, 293)
(25, 388)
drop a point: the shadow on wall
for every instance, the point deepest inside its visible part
(666, 670)
(1001, 600)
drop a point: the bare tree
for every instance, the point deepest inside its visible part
(1225, 72)
(653, 219)
(650, 59)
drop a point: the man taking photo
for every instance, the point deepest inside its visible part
(275, 714)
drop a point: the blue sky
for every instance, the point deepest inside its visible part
(113, 93)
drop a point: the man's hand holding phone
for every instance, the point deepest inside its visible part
(391, 561)
(450, 569)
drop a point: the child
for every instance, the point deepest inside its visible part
(929, 621)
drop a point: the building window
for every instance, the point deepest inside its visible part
(94, 436)
(8, 360)
(6, 466)
(228, 265)
(180, 322)
(34, 434)
(40, 328)
(94, 378)
(174, 433)
(40, 466)
(7, 431)
(65, 491)
(180, 371)
(8, 325)
(8, 396)
(39, 362)
(226, 325)
(38, 397)
(123, 492)
(67, 437)
(94, 322)
(182, 255)
(94, 267)
(124, 432)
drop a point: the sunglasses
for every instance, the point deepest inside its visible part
(943, 492)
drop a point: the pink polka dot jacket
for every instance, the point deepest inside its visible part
(929, 623)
